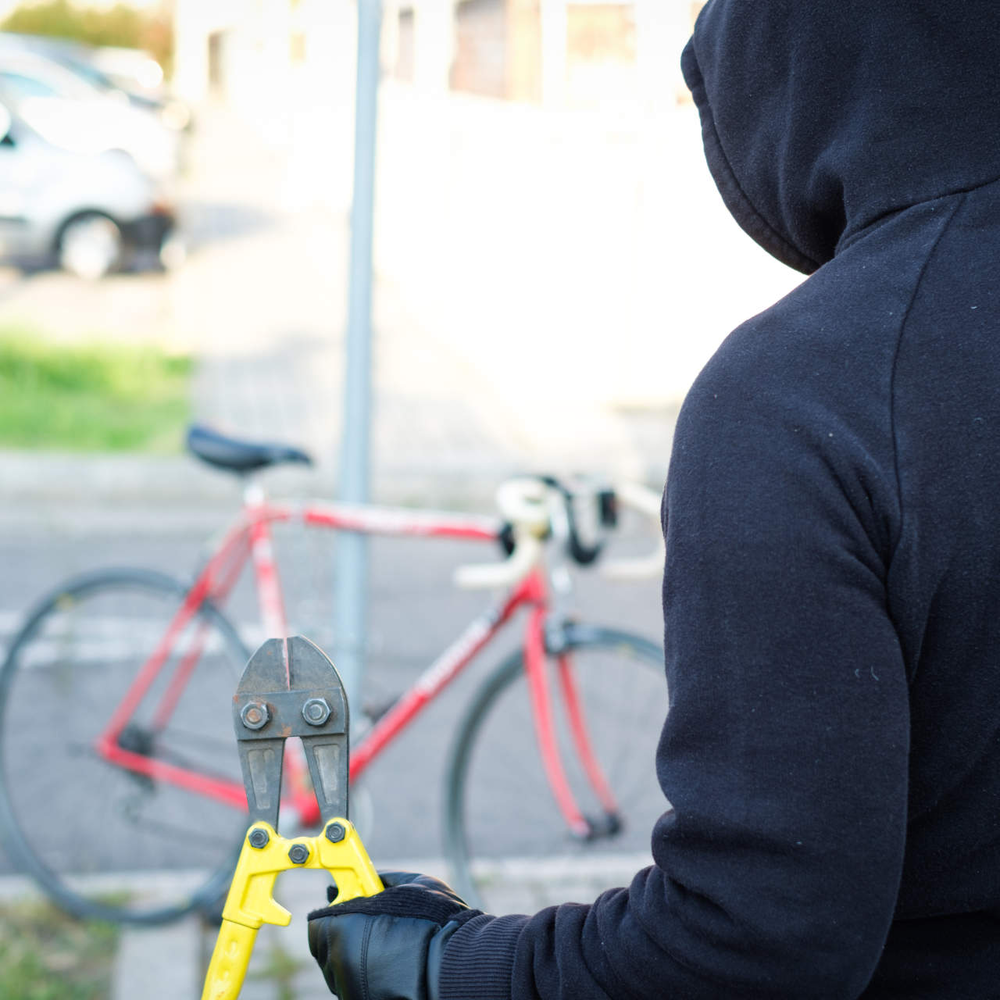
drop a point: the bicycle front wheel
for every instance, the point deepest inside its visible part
(508, 843)
(102, 838)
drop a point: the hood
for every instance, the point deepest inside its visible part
(821, 118)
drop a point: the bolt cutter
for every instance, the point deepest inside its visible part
(289, 688)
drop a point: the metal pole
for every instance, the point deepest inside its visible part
(351, 564)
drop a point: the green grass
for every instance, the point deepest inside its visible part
(91, 397)
(47, 955)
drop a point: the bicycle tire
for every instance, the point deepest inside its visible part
(102, 841)
(507, 844)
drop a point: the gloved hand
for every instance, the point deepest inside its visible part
(388, 946)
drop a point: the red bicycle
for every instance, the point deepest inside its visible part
(121, 793)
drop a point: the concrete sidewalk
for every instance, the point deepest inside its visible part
(170, 962)
(414, 465)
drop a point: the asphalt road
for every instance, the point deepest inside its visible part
(414, 613)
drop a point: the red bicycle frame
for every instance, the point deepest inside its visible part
(250, 539)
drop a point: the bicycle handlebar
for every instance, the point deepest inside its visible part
(523, 504)
(647, 503)
(527, 506)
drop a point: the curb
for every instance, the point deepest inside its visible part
(30, 479)
(463, 481)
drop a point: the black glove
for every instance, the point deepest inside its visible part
(388, 946)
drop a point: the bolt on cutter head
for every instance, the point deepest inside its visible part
(291, 688)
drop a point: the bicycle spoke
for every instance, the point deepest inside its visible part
(172, 831)
(501, 810)
(76, 811)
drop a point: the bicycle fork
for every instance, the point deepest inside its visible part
(537, 656)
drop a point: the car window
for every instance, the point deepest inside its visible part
(21, 86)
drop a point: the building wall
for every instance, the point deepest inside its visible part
(601, 32)
(575, 53)
(524, 50)
(600, 53)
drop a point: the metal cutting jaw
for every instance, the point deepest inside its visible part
(291, 688)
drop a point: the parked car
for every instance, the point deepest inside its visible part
(73, 113)
(91, 211)
(105, 69)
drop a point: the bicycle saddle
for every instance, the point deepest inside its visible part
(239, 456)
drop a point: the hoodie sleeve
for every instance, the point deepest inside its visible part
(785, 751)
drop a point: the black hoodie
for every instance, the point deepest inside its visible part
(832, 592)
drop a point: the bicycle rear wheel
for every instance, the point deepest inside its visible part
(508, 845)
(102, 840)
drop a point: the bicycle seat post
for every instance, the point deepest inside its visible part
(253, 493)
(269, 595)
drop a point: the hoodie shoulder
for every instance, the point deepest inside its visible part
(836, 333)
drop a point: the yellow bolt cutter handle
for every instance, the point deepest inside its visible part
(251, 903)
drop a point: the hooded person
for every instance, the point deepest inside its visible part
(832, 589)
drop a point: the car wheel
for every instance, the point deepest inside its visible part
(90, 246)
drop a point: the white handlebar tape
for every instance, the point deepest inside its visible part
(527, 552)
(646, 502)
(522, 502)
